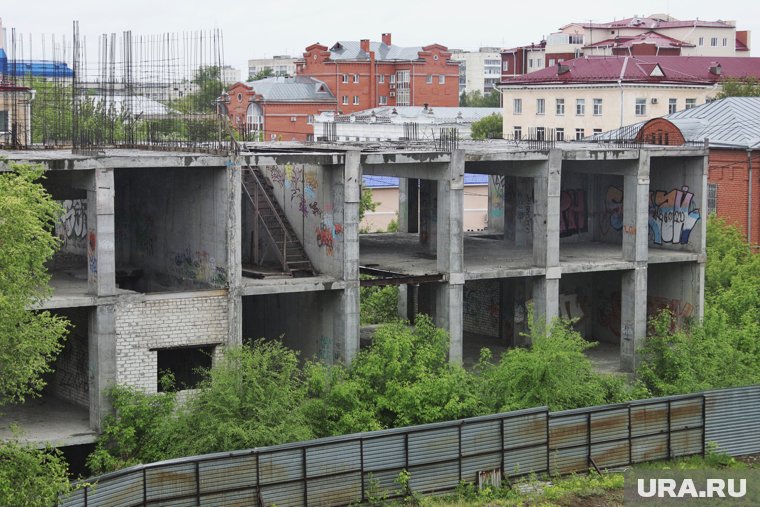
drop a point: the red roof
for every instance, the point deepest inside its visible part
(654, 23)
(672, 69)
(661, 41)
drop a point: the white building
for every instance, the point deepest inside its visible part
(478, 70)
(401, 123)
(280, 65)
(230, 75)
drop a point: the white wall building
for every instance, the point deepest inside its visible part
(281, 65)
(478, 70)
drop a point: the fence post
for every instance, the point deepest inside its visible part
(630, 436)
(197, 484)
(588, 439)
(145, 487)
(670, 429)
(459, 452)
(501, 439)
(303, 471)
(361, 464)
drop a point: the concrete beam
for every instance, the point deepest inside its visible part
(436, 171)
(523, 169)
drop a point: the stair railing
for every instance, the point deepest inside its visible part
(255, 199)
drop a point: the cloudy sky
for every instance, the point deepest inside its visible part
(255, 28)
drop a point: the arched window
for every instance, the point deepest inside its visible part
(254, 117)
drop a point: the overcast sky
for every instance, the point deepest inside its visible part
(261, 29)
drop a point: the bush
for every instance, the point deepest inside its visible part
(378, 304)
(488, 127)
(31, 477)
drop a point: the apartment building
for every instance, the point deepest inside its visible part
(365, 74)
(478, 70)
(279, 65)
(654, 35)
(589, 95)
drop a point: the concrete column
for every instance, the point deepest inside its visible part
(633, 316)
(234, 253)
(636, 211)
(546, 194)
(545, 302)
(101, 342)
(403, 302)
(522, 226)
(449, 301)
(450, 212)
(428, 214)
(349, 315)
(101, 244)
(408, 205)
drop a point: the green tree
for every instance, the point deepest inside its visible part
(263, 73)
(378, 304)
(488, 127)
(29, 340)
(366, 203)
(477, 99)
(748, 86)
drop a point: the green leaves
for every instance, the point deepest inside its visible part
(31, 477)
(488, 127)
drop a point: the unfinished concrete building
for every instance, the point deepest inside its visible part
(169, 257)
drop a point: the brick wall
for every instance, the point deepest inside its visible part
(149, 323)
(70, 377)
(481, 307)
(729, 171)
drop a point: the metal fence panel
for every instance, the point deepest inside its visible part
(434, 477)
(384, 452)
(733, 420)
(566, 461)
(566, 431)
(650, 448)
(525, 430)
(333, 458)
(609, 425)
(168, 481)
(223, 474)
(340, 490)
(611, 454)
(686, 414)
(481, 437)
(123, 490)
(434, 445)
(686, 443)
(649, 419)
(280, 466)
(289, 494)
(525, 461)
(231, 499)
(474, 464)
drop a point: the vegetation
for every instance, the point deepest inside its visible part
(488, 127)
(378, 304)
(366, 203)
(29, 340)
(477, 99)
(262, 74)
(748, 86)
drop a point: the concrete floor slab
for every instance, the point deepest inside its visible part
(605, 357)
(279, 285)
(47, 420)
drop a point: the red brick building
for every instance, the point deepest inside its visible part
(732, 127)
(366, 74)
(277, 108)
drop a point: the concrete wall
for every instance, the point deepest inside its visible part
(70, 377)
(171, 224)
(675, 204)
(304, 322)
(312, 197)
(674, 287)
(150, 322)
(482, 307)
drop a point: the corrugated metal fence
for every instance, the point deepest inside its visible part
(349, 468)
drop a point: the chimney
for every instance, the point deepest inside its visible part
(365, 45)
(562, 69)
(387, 39)
(715, 68)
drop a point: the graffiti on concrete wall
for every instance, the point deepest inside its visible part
(609, 314)
(199, 266)
(573, 213)
(672, 216)
(498, 184)
(92, 254)
(72, 226)
(612, 218)
(572, 306)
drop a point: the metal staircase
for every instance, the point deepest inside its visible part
(271, 223)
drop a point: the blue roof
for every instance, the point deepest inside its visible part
(36, 68)
(390, 182)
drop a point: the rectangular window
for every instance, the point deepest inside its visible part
(530, 63)
(345, 100)
(712, 198)
(552, 61)
(597, 131)
(3, 121)
(505, 65)
(356, 78)
(560, 134)
(725, 42)
(575, 39)
(381, 78)
(345, 78)
(393, 78)
(185, 364)
(518, 133)
(701, 41)
(691, 103)
(310, 119)
(356, 100)
(441, 79)
(597, 107)
(714, 41)
(517, 106)
(540, 134)
(560, 107)
(540, 106)
(580, 107)
(580, 134)
(641, 107)
(383, 100)
(672, 106)
(429, 79)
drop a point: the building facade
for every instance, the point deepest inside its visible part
(365, 74)
(478, 70)
(15, 116)
(591, 95)
(279, 65)
(277, 108)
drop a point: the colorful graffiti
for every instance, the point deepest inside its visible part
(573, 213)
(92, 253)
(199, 266)
(71, 228)
(572, 306)
(671, 217)
(612, 218)
(497, 207)
(609, 315)
(325, 238)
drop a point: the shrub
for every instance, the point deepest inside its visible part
(31, 477)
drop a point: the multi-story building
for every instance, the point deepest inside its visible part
(478, 70)
(654, 35)
(589, 95)
(229, 75)
(279, 65)
(365, 74)
(730, 127)
(277, 108)
(15, 115)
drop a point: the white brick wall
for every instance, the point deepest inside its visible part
(142, 325)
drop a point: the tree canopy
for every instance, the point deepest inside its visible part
(477, 99)
(488, 127)
(740, 87)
